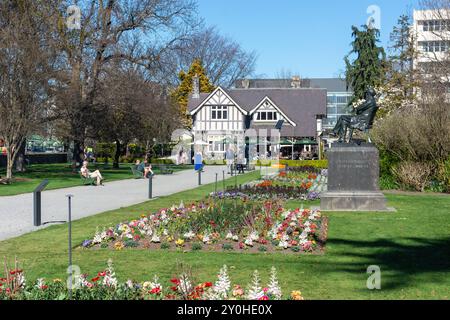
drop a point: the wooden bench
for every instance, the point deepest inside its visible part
(136, 173)
(87, 181)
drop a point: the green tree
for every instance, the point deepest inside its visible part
(185, 88)
(367, 69)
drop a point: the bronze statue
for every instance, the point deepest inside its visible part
(362, 119)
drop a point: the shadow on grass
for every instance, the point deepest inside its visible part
(402, 259)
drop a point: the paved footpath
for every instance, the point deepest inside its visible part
(16, 212)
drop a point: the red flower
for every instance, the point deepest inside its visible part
(44, 287)
(174, 288)
(264, 298)
(156, 290)
(95, 279)
(1, 284)
(208, 284)
(102, 274)
(175, 280)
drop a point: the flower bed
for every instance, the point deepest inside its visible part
(288, 185)
(220, 225)
(105, 286)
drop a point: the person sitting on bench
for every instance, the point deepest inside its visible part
(88, 174)
(147, 169)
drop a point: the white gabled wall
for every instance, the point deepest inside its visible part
(234, 121)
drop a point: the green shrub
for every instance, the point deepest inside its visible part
(165, 245)
(161, 161)
(262, 249)
(131, 244)
(197, 246)
(295, 249)
(388, 182)
(320, 164)
(227, 247)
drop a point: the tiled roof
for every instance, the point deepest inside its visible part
(300, 105)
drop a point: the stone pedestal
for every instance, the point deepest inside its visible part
(353, 173)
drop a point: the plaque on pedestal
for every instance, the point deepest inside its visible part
(353, 173)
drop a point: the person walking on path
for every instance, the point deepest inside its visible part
(229, 158)
(198, 161)
(88, 174)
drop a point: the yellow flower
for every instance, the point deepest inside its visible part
(170, 239)
(296, 295)
(119, 245)
(57, 280)
(179, 242)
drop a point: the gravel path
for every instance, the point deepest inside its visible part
(16, 212)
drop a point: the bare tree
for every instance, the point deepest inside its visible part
(223, 58)
(25, 67)
(138, 31)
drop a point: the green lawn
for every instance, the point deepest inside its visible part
(412, 248)
(62, 176)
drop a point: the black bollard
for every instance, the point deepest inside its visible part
(69, 196)
(200, 177)
(150, 186)
(37, 203)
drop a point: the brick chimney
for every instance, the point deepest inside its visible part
(195, 87)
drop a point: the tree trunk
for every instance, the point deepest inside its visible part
(9, 165)
(20, 164)
(117, 155)
(77, 154)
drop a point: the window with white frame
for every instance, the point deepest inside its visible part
(219, 113)
(216, 144)
(266, 116)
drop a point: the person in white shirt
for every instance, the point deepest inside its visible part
(88, 174)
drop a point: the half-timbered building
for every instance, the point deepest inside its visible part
(231, 112)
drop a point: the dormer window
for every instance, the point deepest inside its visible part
(219, 113)
(266, 116)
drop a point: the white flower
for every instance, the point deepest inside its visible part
(189, 235)
(223, 283)
(274, 287)
(155, 238)
(110, 279)
(97, 237)
(283, 244)
(255, 291)
(40, 283)
(249, 242)
(206, 238)
(254, 235)
(129, 284)
(165, 232)
(229, 236)
(235, 238)
(185, 285)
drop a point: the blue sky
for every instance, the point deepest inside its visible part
(307, 37)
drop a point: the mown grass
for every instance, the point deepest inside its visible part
(411, 246)
(62, 176)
